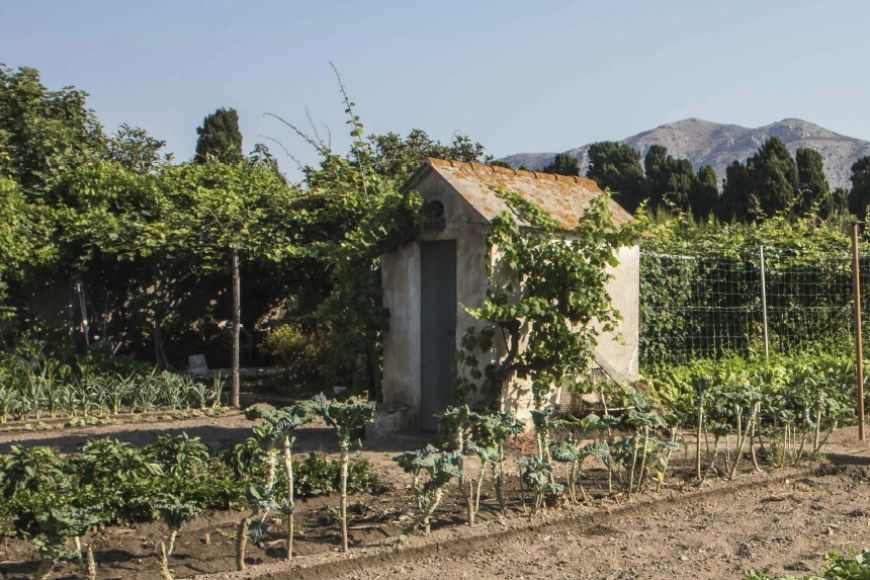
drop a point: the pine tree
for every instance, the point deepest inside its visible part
(220, 138)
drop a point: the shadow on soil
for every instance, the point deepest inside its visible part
(217, 437)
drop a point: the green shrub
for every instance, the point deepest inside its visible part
(317, 476)
(837, 567)
(301, 353)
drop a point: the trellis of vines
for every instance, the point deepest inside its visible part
(705, 296)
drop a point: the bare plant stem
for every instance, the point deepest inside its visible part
(742, 436)
(426, 515)
(633, 466)
(242, 543)
(609, 475)
(499, 479)
(288, 472)
(642, 475)
(91, 564)
(165, 573)
(469, 500)
(752, 435)
(713, 457)
(173, 535)
(522, 488)
(674, 437)
(345, 459)
(475, 504)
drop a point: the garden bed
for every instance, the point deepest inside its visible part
(784, 523)
(379, 518)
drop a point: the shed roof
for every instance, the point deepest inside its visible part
(563, 197)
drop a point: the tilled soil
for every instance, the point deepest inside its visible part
(786, 526)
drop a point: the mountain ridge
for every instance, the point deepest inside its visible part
(718, 144)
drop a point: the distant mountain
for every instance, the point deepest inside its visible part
(706, 143)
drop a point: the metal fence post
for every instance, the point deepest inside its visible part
(762, 267)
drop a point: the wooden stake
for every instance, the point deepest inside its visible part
(859, 344)
(236, 326)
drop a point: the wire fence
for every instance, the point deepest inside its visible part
(746, 300)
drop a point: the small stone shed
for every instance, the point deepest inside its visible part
(429, 282)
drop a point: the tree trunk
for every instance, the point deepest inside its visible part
(237, 326)
(157, 308)
(159, 350)
(375, 393)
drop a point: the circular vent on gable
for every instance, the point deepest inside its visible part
(433, 215)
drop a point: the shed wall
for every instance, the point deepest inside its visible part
(618, 351)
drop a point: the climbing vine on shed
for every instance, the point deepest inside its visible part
(546, 301)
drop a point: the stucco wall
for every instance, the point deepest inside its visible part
(401, 278)
(618, 351)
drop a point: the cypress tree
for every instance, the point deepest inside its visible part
(774, 176)
(669, 179)
(220, 138)
(736, 190)
(655, 168)
(705, 192)
(859, 197)
(813, 188)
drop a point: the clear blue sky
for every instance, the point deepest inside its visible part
(517, 76)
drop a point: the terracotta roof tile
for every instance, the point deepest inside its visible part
(563, 197)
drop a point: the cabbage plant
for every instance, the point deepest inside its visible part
(431, 469)
(346, 418)
(282, 424)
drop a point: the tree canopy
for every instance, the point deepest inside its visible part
(774, 177)
(616, 166)
(563, 164)
(395, 157)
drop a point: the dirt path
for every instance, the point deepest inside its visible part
(786, 526)
(218, 432)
